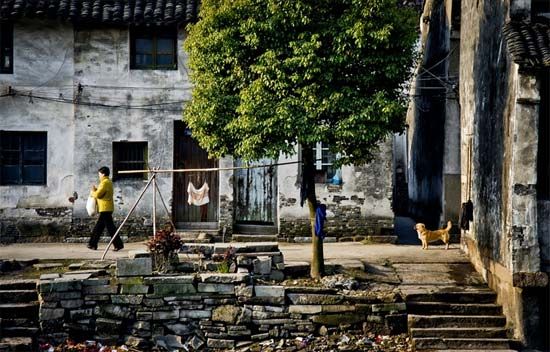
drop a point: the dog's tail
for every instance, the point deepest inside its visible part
(449, 225)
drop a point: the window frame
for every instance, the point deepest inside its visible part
(321, 167)
(117, 160)
(21, 135)
(6, 42)
(154, 34)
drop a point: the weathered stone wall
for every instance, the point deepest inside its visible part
(27, 212)
(360, 206)
(205, 310)
(499, 112)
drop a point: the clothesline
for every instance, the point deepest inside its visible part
(207, 169)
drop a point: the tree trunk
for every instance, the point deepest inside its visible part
(308, 181)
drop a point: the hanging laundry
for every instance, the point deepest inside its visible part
(320, 217)
(199, 196)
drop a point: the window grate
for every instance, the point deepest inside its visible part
(23, 158)
(129, 156)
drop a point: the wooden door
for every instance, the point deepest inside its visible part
(256, 194)
(189, 155)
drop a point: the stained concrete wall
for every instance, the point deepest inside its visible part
(43, 65)
(359, 207)
(91, 66)
(499, 112)
(102, 68)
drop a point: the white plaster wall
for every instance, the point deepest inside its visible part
(102, 67)
(43, 64)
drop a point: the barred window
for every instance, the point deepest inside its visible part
(6, 48)
(129, 156)
(22, 158)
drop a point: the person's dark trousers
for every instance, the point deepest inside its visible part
(105, 220)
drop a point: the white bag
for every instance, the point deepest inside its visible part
(91, 206)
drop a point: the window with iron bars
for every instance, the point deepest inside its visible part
(324, 160)
(153, 48)
(129, 156)
(23, 157)
(6, 48)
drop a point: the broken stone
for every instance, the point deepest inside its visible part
(227, 314)
(134, 267)
(262, 265)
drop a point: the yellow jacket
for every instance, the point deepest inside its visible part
(104, 195)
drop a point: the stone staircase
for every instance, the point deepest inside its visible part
(457, 318)
(18, 315)
(253, 238)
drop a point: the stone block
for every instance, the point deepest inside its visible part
(71, 303)
(297, 298)
(166, 315)
(107, 327)
(134, 267)
(174, 289)
(223, 278)
(338, 308)
(144, 315)
(217, 288)
(389, 307)
(165, 280)
(227, 314)
(525, 279)
(277, 275)
(220, 343)
(60, 285)
(180, 329)
(337, 319)
(127, 289)
(196, 314)
(57, 296)
(89, 298)
(305, 309)
(95, 282)
(259, 337)
(81, 313)
(49, 276)
(100, 290)
(113, 311)
(269, 291)
(51, 314)
(262, 265)
(126, 299)
(244, 290)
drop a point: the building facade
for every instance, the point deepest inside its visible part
(85, 86)
(505, 144)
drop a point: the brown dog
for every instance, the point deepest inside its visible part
(426, 235)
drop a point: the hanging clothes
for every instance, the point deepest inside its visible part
(320, 217)
(196, 196)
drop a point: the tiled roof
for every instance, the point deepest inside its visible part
(528, 43)
(103, 11)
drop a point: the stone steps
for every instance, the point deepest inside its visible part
(19, 310)
(459, 332)
(455, 321)
(18, 315)
(16, 344)
(431, 343)
(253, 238)
(477, 296)
(428, 308)
(18, 296)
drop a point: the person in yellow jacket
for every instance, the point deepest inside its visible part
(105, 205)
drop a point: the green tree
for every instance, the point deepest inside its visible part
(271, 75)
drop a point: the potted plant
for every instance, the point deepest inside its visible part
(164, 248)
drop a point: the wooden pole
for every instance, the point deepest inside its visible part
(165, 207)
(154, 205)
(208, 169)
(127, 216)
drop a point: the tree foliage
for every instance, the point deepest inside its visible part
(271, 74)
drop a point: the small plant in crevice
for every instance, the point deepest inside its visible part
(228, 261)
(164, 248)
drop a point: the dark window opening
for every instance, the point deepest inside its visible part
(129, 156)
(23, 158)
(6, 48)
(153, 48)
(543, 158)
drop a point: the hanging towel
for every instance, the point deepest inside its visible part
(199, 196)
(320, 216)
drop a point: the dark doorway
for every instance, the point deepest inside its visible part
(189, 155)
